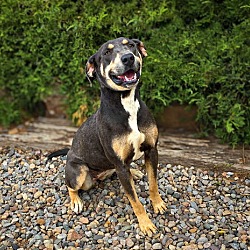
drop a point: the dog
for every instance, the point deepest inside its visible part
(120, 132)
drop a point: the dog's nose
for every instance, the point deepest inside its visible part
(128, 59)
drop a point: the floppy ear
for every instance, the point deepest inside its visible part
(90, 66)
(140, 47)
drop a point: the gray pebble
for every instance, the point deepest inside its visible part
(170, 191)
(192, 210)
(202, 239)
(177, 195)
(194, 205)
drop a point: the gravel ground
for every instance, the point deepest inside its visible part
(206, 210)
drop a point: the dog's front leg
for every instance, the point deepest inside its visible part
(124, 174)
(151, 163)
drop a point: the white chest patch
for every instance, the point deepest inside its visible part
(136, 138)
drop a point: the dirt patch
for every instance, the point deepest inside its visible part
(178, 148)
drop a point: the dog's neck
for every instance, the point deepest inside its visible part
(131, 105)
(112, 97)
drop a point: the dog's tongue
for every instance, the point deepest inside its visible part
(127, 76)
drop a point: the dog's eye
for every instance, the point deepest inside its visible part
(131, 45)
(107, 52)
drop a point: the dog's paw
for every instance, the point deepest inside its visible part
(77, 205)
(159, 205)
(137, 174)
(147, 227)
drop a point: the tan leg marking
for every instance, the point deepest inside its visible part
(88, 182)
(83, 181)
(104, 175)
(137, 174)
(157, 202)
(145, 224)
(76, 203)
(151, 134)
(121, 146)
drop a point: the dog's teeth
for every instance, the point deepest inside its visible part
(126, 79)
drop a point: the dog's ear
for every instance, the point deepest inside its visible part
(140, 47)
(90, 66)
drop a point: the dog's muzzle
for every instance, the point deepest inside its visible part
(130, 77)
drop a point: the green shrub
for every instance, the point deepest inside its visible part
(198, 54)
(208, 68)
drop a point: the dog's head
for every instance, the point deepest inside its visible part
(117, 64)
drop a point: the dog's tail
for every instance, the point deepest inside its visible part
(60, 152)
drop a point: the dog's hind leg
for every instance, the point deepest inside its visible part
(105, 174)
(136, 173)
(76, 203)
(151, 163)
(76, 180)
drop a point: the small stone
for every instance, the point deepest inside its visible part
(226, 212)
(170, 191)
(194, 205)
(73, 235)
(14, 247)
(180, 245)
(177, 195)
(19, 196)
(57, 230)
(32, 166)
(207, 198)
(193, 230)
(88, 234)
(192, 210)
(48, 244)
(37, 194)
(223, 247)
(61, 236)
(171, 247)
(207, 226)
(129, 242)
(40, 221)
(25, 196)
(171, 224)
(11, 153)
(148, 246)
(207, 245)
(98, 237)
(202, 239)
(6, 224)
(84, 220)
(157, 246)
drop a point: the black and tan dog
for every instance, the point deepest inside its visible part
(121, 130)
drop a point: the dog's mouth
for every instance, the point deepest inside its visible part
(128, 78)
